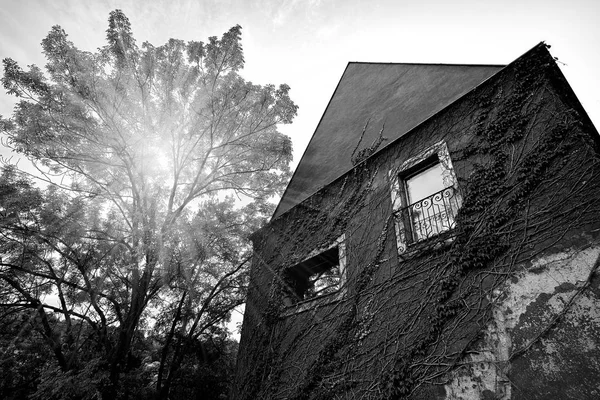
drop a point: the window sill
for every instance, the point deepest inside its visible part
(436, 242)
(314, 303)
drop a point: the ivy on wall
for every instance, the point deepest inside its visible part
(519, 153)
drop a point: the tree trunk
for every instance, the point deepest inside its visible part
(162, 392)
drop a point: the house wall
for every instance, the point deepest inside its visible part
(505, 306)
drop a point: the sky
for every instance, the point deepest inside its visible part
(307, 43)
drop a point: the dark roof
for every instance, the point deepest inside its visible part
(399, 95)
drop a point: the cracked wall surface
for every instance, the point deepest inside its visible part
(551, 309)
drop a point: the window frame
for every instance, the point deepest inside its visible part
(292, 302)
(438, 153)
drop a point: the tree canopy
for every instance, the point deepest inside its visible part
(141, 232)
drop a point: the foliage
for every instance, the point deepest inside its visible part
(145, 150)
(23, 356)
(208, 370)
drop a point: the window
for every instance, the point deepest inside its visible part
(431, 206)
(320, 274)
(425, 197)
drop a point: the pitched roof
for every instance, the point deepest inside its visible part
(401, 96)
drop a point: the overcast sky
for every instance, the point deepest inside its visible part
(307, 43)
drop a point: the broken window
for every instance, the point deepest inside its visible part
(318, 275)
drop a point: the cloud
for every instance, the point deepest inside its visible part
(284, 11)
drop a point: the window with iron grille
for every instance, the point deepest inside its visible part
(431, 207)
(425, 197)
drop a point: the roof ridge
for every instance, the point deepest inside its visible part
(426, 64)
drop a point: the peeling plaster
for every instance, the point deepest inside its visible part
(523, 308)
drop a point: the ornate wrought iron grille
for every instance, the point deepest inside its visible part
(430, 216)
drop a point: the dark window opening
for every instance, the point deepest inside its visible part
(317, 276)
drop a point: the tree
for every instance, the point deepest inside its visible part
(146, 150)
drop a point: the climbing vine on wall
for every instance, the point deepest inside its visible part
(403, 324)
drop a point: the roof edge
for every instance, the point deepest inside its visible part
(427, 64)
(504, 68)
(309, 142)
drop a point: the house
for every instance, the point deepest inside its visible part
(438, 240)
